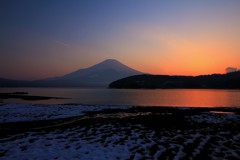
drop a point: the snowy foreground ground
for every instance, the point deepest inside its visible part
(117, 132)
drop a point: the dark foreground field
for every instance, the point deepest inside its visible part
(133, 133)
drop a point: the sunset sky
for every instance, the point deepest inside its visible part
(45, 38)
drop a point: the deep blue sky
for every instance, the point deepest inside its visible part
(42, 38)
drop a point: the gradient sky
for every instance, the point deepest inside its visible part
(45, 38)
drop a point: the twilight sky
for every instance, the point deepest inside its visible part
(45, 38)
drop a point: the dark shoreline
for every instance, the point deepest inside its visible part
(25, 96)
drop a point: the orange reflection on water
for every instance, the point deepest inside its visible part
(194, 98)
(203, 98)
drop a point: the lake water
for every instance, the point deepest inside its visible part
(157, 97)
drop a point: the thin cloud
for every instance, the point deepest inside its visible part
(64, 44)
(231, 69)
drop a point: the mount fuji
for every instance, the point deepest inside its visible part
(99, 75)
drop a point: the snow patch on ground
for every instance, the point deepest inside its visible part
(119, 141)
(209, 117)
(30, 112)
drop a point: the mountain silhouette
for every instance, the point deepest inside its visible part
(99, 75)
(104, 72)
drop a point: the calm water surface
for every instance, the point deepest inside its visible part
(158, 97)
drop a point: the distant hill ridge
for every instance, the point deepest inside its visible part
(214, 81)
(99, 75)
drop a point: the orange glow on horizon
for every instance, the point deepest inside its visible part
(178, 54)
